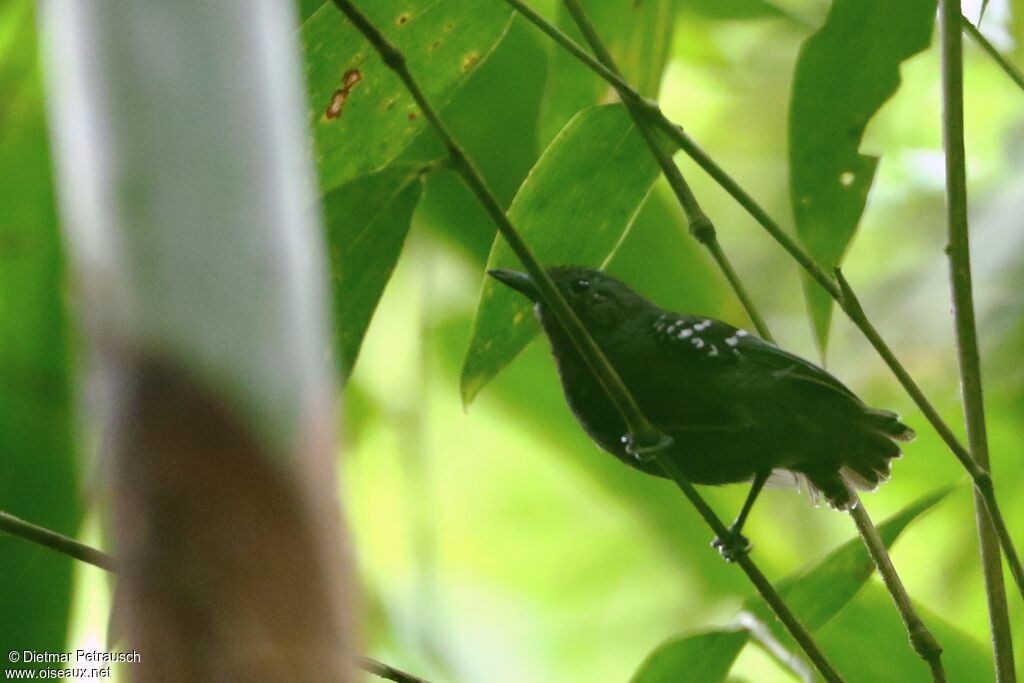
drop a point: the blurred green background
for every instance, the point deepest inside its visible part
(496, 543)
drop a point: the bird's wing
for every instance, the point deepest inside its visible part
(790, 368)
(704, 339)
(697, 339)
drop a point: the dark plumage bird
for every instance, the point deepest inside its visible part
(736, 407)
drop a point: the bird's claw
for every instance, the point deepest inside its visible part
(645, 452)
(734, 546)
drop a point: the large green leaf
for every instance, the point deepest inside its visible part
(498, 103)
(361, 114)
(574, 207)
(817, 595)
(844, 73)
(699, 658)
(367, 221)
(638, 34)
(37, 459)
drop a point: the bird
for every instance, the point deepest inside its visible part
(736, 408)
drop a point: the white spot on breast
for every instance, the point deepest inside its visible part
(703, 325)
(713, 351)
(742, 333)
(684, 333)
(732, 341)
(697, 342)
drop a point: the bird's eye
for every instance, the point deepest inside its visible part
(579, 286)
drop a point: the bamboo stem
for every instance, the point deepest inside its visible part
(950, 19)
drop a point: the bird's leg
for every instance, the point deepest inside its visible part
(735, 543)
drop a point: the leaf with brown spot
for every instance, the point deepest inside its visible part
(355, 134)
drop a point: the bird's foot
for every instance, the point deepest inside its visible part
(734, 546)
(644, 452)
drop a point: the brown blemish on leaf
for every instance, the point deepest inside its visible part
(403, 19)
(336, 105)
(449, 26)
(470, 60)
(434, 45)
(413, 115)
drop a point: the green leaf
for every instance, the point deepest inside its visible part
(575, 207)
(38, 468)
(819, 594)
(699, 658)
(867, 642)
(638, 34)
(361, 114)
(844, 73)
(367, 221)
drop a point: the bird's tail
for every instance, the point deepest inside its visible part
(888, 423)
(865, 461)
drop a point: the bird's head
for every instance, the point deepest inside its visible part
(599, 299)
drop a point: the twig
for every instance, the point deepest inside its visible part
(65, 545)
(652, 440)
(1009, 69)
(16, 526)
(838, 289)
(382, 670)
(950, 20)
(921, 639)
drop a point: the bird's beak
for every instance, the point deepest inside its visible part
(520, 282)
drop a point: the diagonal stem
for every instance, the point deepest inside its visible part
(701, 226)
(650, 439)
(966, 329)
(1009, 69)
(921, 639)
(77, 550)
(838, 289)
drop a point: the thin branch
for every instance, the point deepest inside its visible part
(650, 439)
(382, 670)
(838, 289)
(1009, 69)
(950, 20)
(921, 639)
(16, 526)
(65, 545)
